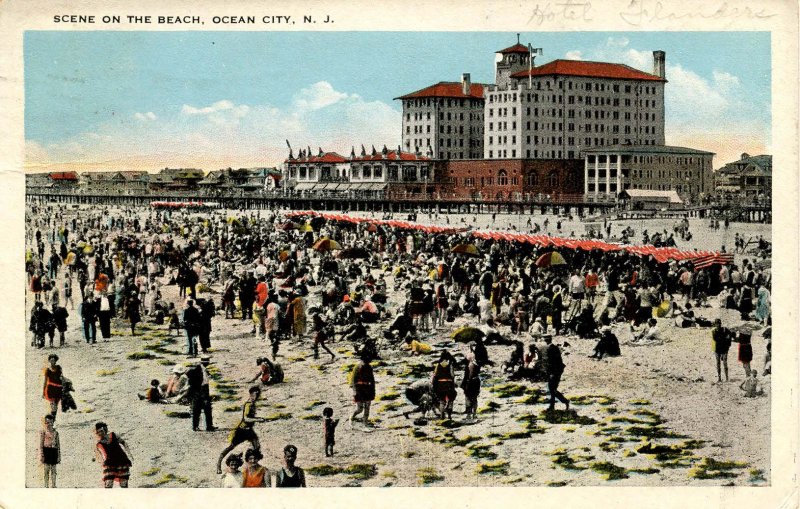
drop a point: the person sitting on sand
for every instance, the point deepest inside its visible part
(515, 360)
(750, 385)
(416, 347)
(153, 394)
(269, 373)
(649, 334)
(537, 329)
(608, 344)
(684, 317)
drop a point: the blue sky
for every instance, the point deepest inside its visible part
(216, 99)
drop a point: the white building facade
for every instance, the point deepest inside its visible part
(562, 108)
(445, 120)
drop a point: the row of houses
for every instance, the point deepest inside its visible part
(748, 179)
(676, 175)
(245, 180)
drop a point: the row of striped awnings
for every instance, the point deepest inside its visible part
(661, 254)
(700, 259)
(403, 225)
(703, 262)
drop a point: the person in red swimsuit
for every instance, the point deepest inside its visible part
(53, 383)
(114, 455)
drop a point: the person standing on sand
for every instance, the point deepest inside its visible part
(721, 343)
(444, 385)
(329, 425)
(233, 478)
(114, 455)
(255, 475)
(53, 383)
(192, 322)
(471, 384)
(199, 394)
(555, 368)
(243, 432)
(363, 385)
(49, 450)
(290, 476)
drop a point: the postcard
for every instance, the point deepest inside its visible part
(439, 250)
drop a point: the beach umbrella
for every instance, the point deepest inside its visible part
(88, 249)
(305, 228)
(466, 334)
(324, 245)
(550, 259)
(353, 253)
(466, 249)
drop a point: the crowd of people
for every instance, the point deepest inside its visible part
(307, 280)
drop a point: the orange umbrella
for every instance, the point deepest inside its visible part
(467, 249)
(325, 244)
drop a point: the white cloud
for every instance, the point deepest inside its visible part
(34, 151)
(574, 55)
(701, 112)
(317, 96)
(226, 133)
(207, 110)
(145, 116)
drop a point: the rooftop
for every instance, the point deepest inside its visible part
(647, 149)
(517, 48)
(392, 155)
(447, 89)
(588, 69)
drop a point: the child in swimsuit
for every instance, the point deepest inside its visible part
(49, 450)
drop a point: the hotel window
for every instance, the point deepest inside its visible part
(502, 178)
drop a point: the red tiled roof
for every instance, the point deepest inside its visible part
(588, 69)
(446, 89)
(391, 156)
(327, 157)
(517, 48)
(64, 175)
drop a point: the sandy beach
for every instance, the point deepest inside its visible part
(654, 416)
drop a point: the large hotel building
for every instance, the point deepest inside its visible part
(567, 128)
(553, 111)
